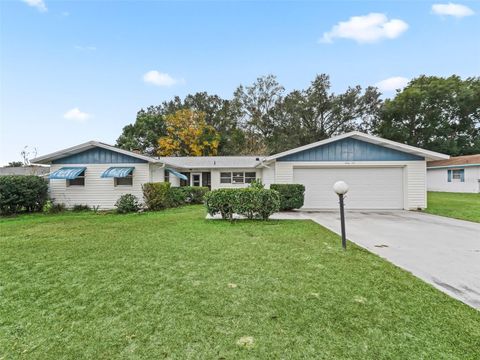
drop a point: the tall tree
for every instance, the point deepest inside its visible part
(317, 113)
(254, 107)
(143, 135)
(439, 114)
(188, 134)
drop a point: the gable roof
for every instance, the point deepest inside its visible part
(46, 159)
(429, 155)
(199, 162)
(456, 160)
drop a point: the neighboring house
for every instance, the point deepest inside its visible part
(457, 174)
(382, 174)
(24, 170)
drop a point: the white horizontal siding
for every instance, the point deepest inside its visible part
(268, 175)
(157, 173)
(416, 185)
(437, 180)
(283, 172)
(97, 191)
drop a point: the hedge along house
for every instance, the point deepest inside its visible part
(382, 174)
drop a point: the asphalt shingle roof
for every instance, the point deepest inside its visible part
(191, 162)
(457, 160)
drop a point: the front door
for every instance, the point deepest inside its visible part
(196, 179)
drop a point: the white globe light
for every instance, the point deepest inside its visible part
(340, 187)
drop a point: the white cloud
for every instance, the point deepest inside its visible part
(392, 83)
(39, 4)
(85, 48)
(451, 9)
(76, 115)
(160, 79)
(366, 29)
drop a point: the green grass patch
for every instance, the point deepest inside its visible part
(462, 206)
(174, 285)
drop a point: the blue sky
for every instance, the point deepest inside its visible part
(76, 71)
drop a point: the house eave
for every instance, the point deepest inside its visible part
(452, 166)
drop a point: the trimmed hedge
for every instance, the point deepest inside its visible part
(291, 195)
(250, 202)
(156, 195)
(187, 195)
(221, 202)
(22, 194)
(161, 195)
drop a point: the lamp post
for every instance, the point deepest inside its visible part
(341, 188)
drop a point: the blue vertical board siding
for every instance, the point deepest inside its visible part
(350, 150)
(98, 156)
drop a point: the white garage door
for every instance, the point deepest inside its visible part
(370, 188)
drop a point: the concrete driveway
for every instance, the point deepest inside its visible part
(442, 251)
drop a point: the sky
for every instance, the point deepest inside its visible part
(74, 71)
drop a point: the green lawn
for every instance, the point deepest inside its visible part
(174, 285)
(455, 205)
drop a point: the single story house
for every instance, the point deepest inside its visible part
(457, 174)
(382, 174)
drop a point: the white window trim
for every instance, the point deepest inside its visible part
(459, 172)
(223, 177)
(237, 182)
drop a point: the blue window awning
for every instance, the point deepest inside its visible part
(117, 172)
(177, 174)
(67, 173)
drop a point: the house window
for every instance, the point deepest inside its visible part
(185, 182)
(238, 178)
(78, 181)
(457, 175)
(206, 179)
(250, 177)
(124, 181)
(225, 178)
(166, 177)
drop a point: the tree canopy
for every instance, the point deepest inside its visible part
(188, 134)
(439, 114)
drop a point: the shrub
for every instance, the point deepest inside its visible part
(246, 202)
(80, 207)
(176, 196)
(53, 208)
(127, 203)
(156, 195)
(160, 195)
(291, 195)
(268, 202)
(22, 193)
(193, 194)
(257, 184)
(250, 202)
(221, 202)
